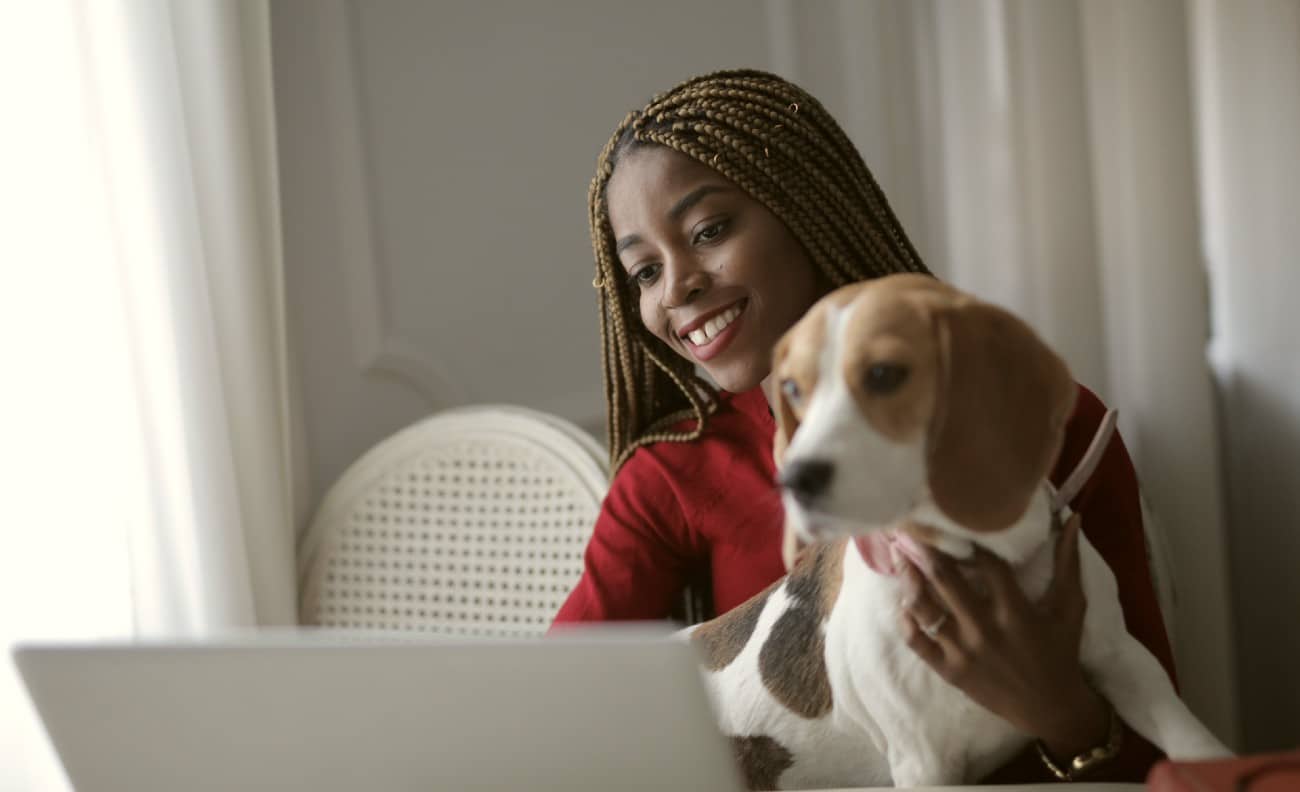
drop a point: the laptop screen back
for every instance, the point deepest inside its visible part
(591, 711)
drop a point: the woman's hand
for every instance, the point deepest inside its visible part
(1017, 658)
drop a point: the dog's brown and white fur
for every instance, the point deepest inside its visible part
(914, 403)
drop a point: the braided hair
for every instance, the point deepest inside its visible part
(778, 144)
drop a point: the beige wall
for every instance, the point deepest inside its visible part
(435, 161)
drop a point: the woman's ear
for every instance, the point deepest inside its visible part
(786, 422)
(1001, 405)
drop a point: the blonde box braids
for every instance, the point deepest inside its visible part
(778, 144)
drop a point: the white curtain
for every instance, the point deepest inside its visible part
(1042, 154)
(146, 414)
(1069, 194)
(1074, 204)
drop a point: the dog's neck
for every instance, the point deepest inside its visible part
(1048, 509)
(882, 550)
(928, 525)
(1012, 544)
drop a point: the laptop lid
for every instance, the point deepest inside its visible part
(592, 710)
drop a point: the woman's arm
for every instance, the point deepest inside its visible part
(639, 555)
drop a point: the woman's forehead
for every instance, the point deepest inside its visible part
(652, 179)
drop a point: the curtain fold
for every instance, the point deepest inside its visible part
(148, 411)
(1071, 199)
(1157, 325)
(1246, 58)
(1043, 154)
(181, 90)
(1077, 210)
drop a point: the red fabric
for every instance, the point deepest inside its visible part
(676, 510)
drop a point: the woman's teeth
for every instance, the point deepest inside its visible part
(703, 335)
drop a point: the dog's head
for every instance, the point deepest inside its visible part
(902, 389)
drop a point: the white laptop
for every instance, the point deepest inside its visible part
(611, 709)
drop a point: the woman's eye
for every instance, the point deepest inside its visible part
(885, 378)
(646, 275)
(711, 232)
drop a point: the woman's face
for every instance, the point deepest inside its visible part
(719, 277)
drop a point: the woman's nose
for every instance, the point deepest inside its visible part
(686, 281)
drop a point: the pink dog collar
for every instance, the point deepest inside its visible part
(1083, 471)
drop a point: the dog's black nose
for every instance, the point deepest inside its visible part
(806, 478)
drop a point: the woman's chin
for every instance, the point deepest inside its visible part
(735, 379)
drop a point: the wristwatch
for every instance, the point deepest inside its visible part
(1089, 759)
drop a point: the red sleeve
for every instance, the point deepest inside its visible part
(639, 554)
(1112, 520)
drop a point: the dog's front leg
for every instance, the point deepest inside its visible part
(1129, 676)
(1133, 680)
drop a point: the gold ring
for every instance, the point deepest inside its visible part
(933, 628)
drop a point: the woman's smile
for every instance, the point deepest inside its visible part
(709, 335)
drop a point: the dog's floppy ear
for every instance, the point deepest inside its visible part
(786, 423)
(1002, 402)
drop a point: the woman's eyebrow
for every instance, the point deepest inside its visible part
(675, 213)
(691, 198)
(626, 242)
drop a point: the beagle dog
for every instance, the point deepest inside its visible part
(903, 402)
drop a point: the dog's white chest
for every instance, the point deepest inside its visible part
(912, 715)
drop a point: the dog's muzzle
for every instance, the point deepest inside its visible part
(806, 479)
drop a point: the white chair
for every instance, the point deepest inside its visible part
(472, 522)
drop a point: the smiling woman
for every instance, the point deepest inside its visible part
(719, 214)
(716, 276)
(722, 166)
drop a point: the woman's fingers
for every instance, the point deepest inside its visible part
(927, 615)
(929, 651)
(915, 599)
(972, 623)
(1007, 599)
(954, 593)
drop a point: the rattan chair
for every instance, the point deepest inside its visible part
(472, 522)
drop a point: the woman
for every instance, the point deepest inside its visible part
(719, 213)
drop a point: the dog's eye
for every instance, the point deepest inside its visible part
(885, 377)
(790, 389)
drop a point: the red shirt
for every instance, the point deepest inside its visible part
(676, 511)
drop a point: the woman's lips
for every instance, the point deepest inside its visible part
(716, 345)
